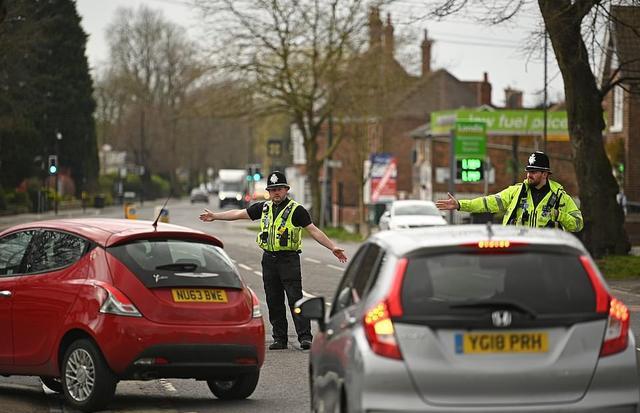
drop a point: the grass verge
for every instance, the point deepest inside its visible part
(620, 267)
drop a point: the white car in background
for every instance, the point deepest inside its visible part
(411, 214)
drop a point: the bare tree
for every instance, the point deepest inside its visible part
(572, 26)
(153, 66)
(294, 53)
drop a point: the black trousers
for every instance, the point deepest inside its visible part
(281, 274)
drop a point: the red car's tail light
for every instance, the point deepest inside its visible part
(616, 336)
(378, 325)
(117, 303)
(257, 313)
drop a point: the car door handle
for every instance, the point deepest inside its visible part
(5, 293)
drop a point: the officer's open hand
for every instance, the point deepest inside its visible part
(447, 204)
(339, 253)
(207, 216)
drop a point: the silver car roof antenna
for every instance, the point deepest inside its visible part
(489, 229)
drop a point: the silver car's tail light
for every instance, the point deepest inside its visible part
(616, 337)
(377, 322)
(117, 303)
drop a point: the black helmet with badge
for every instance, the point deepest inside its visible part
(277, 179)
(538, 162)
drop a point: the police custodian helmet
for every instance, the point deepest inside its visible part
(538, 161)
(277, 179)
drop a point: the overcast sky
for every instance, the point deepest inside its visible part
(464, 48)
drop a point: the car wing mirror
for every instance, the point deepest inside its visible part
(311, 308)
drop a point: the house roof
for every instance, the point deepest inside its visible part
(439, 90)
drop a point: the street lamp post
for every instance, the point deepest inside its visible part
(57, 190)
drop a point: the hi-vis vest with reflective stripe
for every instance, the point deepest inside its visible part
(506, 201)
(279, 234)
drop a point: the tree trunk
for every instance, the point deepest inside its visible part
(313, 174)
(603, 218)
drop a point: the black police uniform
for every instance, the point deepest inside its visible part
(281, 274)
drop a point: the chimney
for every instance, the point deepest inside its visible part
(375, 28)
(485, 90)
(388, 36)
(426, 55)
(512, 98)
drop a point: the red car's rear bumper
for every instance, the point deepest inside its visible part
(170, 350)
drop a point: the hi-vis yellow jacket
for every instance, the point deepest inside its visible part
(517, 205)
(278, 233)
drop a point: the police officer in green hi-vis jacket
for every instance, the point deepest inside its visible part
(537, 202)
(280, 237)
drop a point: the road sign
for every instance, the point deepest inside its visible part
(383, 177)
(471, 139)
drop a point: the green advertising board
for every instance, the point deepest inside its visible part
(504, 122)
(471, 139)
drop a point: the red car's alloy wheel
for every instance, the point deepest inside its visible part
(88, 383)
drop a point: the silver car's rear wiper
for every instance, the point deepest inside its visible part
(179, 266)
(501, 303)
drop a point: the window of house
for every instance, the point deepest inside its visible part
(618, 106)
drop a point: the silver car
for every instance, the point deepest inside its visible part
(472, 319)
(411, 213)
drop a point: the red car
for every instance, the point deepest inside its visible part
(85, 303)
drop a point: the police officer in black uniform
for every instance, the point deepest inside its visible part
(281, 221)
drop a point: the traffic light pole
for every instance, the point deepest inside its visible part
(452, 169)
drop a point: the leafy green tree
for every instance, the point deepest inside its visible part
(45, 92)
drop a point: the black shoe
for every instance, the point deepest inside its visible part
(305, 344)
(278, 345)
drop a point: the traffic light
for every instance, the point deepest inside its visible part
(53, 164)
(256, 173)
(249, 173)
(470, 170)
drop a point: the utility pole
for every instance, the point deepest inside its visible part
(57, 183)
(544, 109)
(325, 210)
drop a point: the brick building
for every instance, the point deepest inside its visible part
(380, 105)
(621, 69)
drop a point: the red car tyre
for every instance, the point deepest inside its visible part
(235, 389)
(88, 382)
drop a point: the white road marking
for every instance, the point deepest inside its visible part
(328, 304)
(306, 294)
(167, 386)
(335, 267)
(245, 267)
(46, 390)
(312, 260)
(258, 273)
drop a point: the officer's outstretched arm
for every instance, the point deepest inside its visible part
(231, 215)
(323, 240)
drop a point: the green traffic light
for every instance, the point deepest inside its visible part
(53, 169)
